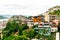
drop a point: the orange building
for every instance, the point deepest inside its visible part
(38, 18)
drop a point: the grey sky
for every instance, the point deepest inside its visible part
(26, 7)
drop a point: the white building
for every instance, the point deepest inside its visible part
(30, 23)
(3, 23)
(54, 29)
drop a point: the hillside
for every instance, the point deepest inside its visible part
(54, 11)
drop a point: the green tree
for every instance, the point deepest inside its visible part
(15, 38)
(55, 12)
(12, 27)
(35, 26)
(29, 33)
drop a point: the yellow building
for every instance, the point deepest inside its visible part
(46, 16)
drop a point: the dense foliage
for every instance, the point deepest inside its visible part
(55, 12)
(15, 31)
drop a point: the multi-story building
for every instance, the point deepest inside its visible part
(46, 16)
(30, 23)
(37, 19)
(53, 17)
(54, 27)
(52, 20)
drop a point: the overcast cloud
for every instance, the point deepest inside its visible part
(26, 7)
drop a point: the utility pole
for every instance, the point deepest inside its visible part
(57, 35)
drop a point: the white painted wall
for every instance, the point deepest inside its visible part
(54, 29)
(57, 36)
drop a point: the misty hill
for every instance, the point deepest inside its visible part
(4, 16)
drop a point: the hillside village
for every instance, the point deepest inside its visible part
(41, 19)
(49, 20)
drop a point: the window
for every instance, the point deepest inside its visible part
(31, 23)
(52, 29)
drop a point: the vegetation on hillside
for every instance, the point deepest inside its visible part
(16, 31)
(55, 12)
